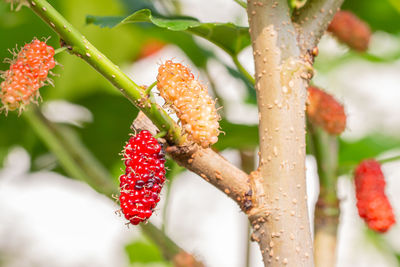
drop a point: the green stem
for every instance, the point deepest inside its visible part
(174, 170)
(168, 248)
(48, 133)
(386, 160)
(148, 89)
(220, 100)
(325, 150)
(247, 164)
(165, 207)
(243, 70)
(77, 44)
(59, 50)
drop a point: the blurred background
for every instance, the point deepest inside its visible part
(48, 218)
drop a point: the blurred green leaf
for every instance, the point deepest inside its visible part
(144, 252)
(237, 136)
(196, 53)
(106, 22)
(327, 63)
(110, 129)
(173, 169)
(395, 4)
(351, 153)
(379, 14)
(14, 131)
(227, 36)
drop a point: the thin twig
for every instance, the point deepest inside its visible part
(78, 45)
(325, 149)
(243, 70)
(208, 164)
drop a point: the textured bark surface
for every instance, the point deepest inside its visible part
(280, 217)
(312, 20)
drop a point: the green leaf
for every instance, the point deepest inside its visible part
(237, 136)
(351, 153)
(104, 141)
(171, 23)
(143, 252)
(227, 36)
(197, 54)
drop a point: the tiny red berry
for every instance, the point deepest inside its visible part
(324, 111)
(143, 179)
(150, 48)
(372, 202)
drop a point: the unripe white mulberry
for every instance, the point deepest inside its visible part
(191, 102)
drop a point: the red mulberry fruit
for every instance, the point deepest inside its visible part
(143, 179)
(28, 72)
(372, 203)
(191, 102)
(349, 29)
(323, 110)
(150, 48)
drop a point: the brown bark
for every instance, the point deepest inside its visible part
(280, 218)
(208, 164)
(312, 20)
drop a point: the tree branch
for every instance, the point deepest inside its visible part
(78, 45)
(81, 164)
(312, 21)
(208, 164)
(280, 216)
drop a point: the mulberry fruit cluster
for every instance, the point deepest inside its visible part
(191, 102)
(372, 203)
(143, 179)
(28, 72)
(349, 29)
(324, 111)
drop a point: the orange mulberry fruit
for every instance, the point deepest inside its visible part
(27, 73)
(372, 202)
(349, 29)
(191, 102)
(323, 110)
